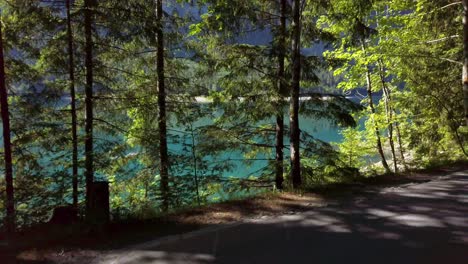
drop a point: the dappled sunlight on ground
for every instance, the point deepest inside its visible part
(414, 223)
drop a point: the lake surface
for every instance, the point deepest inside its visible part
(321, 129)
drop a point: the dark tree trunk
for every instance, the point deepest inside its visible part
(282, 89)
(372, 108)
(163, 155)
(195, 169)
(89, 153)
(465, 58)
(389, 114)
(295, 89)
(279, 152)
(10, 200)
(71, 70)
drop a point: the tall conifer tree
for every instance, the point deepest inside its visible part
(89, 6)
(295, 132)
(71, 70)
(10, 201)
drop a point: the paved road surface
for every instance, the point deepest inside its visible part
(417, 223)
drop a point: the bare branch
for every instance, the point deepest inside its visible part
(452, 4)
(442, 39)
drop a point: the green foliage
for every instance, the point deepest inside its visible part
(223, 96)
(353, 148)
(409, 48)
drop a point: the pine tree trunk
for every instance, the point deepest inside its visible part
(465, 58)
(279, 152)
(195, 169)
(389, 114)
(89, 168)
(10, 200)
(163, 152)
(281, 90)
(71, 70)
(372, 108)
(294, 104)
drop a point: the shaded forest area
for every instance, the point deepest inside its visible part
(129, 107)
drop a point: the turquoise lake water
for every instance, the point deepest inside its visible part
(320, 129)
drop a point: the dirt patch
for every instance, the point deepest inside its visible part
(271, 204)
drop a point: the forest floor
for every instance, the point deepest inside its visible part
(40, 247)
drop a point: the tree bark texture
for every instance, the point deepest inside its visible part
(71, 72)
(465, 59)
(294, 101)
(163, 151)
(10, 200)
(89, 152)
(282, 87)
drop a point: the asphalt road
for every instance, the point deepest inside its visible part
(416, 223)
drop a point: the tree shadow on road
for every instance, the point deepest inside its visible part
(420, 223)
(417, 223)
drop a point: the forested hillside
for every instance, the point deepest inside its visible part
(178, 104)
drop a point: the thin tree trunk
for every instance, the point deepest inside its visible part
(400, 146)
(195, 172)
(389, 114)
(163, 152)
(89, 153)
(390, 135)
(294, 104)
(71, 70)
(372, 108)
(465, 58)
(398, 133)
(459, 139)
(10, 200)
(281, 90)
(377, 133)
(279, 152)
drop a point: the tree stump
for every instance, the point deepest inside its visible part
(99, 204)
(64, 215)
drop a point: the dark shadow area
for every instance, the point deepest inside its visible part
(422, 223)
(410, 223)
